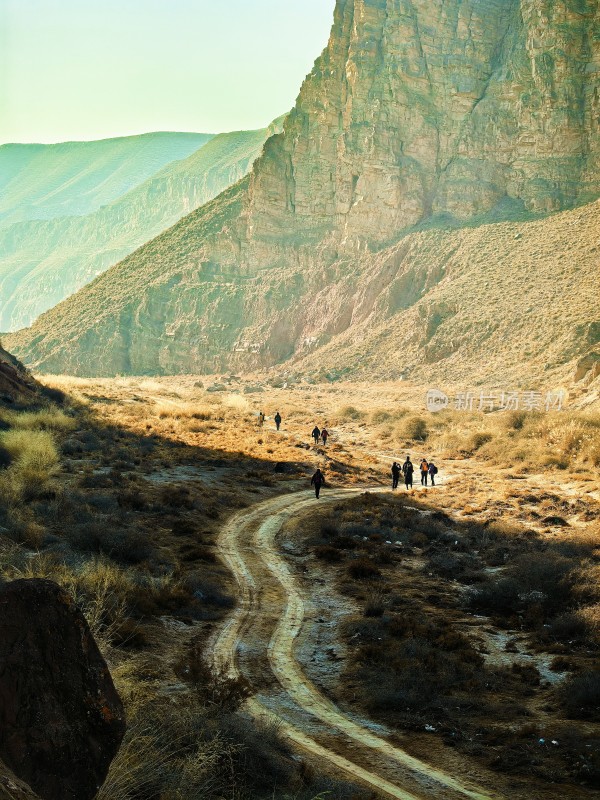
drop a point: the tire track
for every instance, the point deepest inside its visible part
(247, 545)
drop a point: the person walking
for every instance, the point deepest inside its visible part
(316, 434)
(424, 472)
(408, 470)
(261, 419)
(433, 471)
(317, 480)
(395, 474)
(277, 420)
(324, 435)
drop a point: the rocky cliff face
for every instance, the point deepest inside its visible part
(427, 113)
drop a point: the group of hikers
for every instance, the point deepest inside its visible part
(428, 471)
(427, 468)
(317, 434)
(276, 419)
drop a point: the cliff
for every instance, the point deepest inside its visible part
(420, 122)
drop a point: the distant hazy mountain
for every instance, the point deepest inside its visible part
(44, 261)
(43, 181)
(412, 219)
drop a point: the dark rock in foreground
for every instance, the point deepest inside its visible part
(11, 788)
(61, 719)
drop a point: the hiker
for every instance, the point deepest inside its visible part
(395, 474)
(316, 434)
(433, 471)
(324, 435)
(277, 420)
(408, 469)
(317, 480)
(261, 419)
(424, 472)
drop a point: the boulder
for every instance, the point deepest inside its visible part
(61, 719)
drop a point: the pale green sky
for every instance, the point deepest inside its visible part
(90, 69)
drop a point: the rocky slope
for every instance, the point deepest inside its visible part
(16, 384)
(421, 122)
(44, 261)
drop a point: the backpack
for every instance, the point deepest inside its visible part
(433, 469)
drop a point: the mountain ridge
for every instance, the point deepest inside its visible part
(43, 261)
(414, 113)
(74, 178)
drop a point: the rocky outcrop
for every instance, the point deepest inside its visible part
(16, 384)
(61, 719)
(419, 114)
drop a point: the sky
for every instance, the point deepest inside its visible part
(92, 69)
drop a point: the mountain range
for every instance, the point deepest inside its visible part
(429, 210)
(46, 258)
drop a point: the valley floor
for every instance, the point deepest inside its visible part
(425, 643)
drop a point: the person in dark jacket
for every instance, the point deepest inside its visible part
(324, 435)
(316, 434)
(277, 420)
(408, 469)
(433, 471)
(317, 480)
(424, 472)
(395, 474)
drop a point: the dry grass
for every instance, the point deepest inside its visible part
(150, 469)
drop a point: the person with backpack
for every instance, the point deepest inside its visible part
(316, 434)
(324, 435)
(277, 420)
(408, 470)
(433, 471)
(317, 480)
(395, 474)
(424, 472)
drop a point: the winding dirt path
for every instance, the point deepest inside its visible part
(258, 641)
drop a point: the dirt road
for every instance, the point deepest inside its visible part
(258, 641)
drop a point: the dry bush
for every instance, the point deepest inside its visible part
(47, 419)
(413, 428)
(581, 695)
(363, 569)
(34, 461)
(478, 439)
(350, 414)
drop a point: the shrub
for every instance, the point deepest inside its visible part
(581, 695)
(350, 413)
(478, 439)
(363, 569)
(48, 419)
(34, 460)
(375, 605)
(414, 428)
(327, 553)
